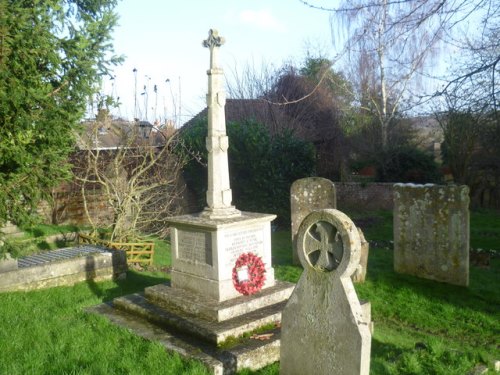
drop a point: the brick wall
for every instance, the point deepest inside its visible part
(67, 206)
(364, 196)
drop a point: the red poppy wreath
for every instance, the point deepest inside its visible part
(249, 274)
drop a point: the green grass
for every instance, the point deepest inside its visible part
(421, 327)
(48, 332)
(376, 226)
(44, 230)
(485, 230)
(424, 327)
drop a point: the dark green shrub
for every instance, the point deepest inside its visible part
(407, 164)
(262, 168)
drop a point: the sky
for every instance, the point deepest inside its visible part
(163, 40)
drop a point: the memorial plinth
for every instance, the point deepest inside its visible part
(204, 251)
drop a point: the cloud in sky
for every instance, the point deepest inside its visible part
(261, 19)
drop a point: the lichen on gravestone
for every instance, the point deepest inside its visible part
(431, 232)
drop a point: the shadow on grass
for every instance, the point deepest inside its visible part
(433, 309)
(481, 295)
(135, 282)
(383, 353)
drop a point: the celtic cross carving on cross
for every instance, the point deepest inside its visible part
(323, 248)
(213, 41)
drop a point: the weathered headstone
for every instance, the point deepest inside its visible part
(431, 232)
(306, 195)
(324, 329)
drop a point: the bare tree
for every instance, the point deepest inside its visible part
(251, 81)
(473, 82)
(139, 177)
(389, 42)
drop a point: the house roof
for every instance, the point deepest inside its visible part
(112, 134)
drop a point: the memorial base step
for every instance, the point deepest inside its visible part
(213, 332)
(197, 338)
(196, 304)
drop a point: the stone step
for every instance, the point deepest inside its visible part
(251, 354)
(196, 304)
(214, 332)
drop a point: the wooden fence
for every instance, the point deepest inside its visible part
(140, 252)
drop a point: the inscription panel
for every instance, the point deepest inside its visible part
(243, 241)
(194, 246)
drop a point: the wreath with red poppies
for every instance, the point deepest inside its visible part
(249, 274)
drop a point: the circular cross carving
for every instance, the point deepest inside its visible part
(323, 248)
(327, 241)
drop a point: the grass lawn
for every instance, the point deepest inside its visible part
(421, 327)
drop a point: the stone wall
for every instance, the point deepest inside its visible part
(431, 232)
(364, 196)
(11, 230)
(378, 195)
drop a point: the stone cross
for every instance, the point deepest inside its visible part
(330, 251)
(219, 195)
(213, 41)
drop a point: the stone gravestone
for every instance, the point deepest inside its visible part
(324, 329)
(431, 232)
(306, 195)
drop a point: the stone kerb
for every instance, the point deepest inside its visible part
(7, 263)
(431, 232)
(306, 195)
(324, 329)
(39, 271)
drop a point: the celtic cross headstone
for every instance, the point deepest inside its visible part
(324, 329)
(306, 195)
